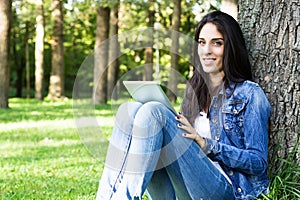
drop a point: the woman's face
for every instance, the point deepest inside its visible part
(211, 50)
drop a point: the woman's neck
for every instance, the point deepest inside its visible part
(216, 82)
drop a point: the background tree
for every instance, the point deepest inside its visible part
(173, 81)
(56, 85)
(39, 50)
(101, 55)
(27, 63)
(148, 67)
(271, 29)
(21, 44)
(114, 49)
(5, 19)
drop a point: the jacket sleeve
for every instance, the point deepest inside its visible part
(253, 158)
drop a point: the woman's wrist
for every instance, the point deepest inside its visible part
(200, 141)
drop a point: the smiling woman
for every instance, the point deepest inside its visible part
(218, 144)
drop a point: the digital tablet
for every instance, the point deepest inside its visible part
(145, 91)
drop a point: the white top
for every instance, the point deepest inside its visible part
(202, 127)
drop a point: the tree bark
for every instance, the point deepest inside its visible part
(114, 51)
(27, 62)
(5, 19)
(271, 29)
(101, 56)
(173, 80)
(56, 86)
(148, 67)
(39, 50)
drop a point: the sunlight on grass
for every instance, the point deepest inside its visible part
(43, 154)
(48, 152)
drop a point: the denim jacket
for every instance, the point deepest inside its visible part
(239, 129)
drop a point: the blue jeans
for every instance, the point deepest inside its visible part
(147, 151)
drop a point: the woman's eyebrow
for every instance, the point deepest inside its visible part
(214, 39)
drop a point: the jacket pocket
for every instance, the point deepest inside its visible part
(233, 116)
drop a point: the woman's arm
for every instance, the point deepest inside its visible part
(253, 157)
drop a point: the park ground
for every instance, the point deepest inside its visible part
(44, 155)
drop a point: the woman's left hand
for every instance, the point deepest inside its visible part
(191, 133)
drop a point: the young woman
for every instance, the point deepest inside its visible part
(216, 148)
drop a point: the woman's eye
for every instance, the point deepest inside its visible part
(201, 42)
(217, 43)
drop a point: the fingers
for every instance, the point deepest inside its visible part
(186, 126)
(182, 120)
(190, 132)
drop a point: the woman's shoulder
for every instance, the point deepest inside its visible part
(248, 87)
(245, 90)
(251, 90)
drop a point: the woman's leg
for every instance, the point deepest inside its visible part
(133, 152)
(160, 187)
(192, 174)
(117, 150)
(154, 135)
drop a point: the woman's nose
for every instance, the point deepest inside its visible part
(206, 49)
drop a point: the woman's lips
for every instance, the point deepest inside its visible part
(208, 61)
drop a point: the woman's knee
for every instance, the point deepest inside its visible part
(152, 109)
(126, 114)
(128, 110)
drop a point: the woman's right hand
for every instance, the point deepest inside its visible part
(191, 133)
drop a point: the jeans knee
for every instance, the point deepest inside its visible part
(126, 114)
(128, 110)
(150, 114)
(152, 109)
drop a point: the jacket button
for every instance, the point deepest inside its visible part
(217, 137)
(230, 173)
(214, 120)
(239, 190)
(235, 111)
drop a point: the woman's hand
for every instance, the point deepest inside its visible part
(191, 133)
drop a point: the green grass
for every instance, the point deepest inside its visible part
(44, 156)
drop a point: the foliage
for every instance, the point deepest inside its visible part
(79, 35)
(285, 180)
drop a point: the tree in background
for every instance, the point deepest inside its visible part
(56, 85)
(21, 40)
(5, 19)
(173, 80)
(39, 50)
(148, 57)
(271, 29)
(101, 55)
(114, 49)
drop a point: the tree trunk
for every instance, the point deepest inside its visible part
(271, 30)
(148, 67)
(56, 86)
(39, 50)
(230, 7)
(101, 56)
(5, 19)
(27, 65)
(173, 80)
(114, 51)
